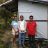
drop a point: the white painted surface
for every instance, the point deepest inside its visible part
(38, 11)
(42, 29)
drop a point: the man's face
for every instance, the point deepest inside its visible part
(21, 17)
(31, 18)
(14, 17)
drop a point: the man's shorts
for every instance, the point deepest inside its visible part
(13, 32)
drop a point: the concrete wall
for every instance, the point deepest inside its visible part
(39, 12)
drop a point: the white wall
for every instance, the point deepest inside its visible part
(42, 29)
(38, 11)
(47, 18)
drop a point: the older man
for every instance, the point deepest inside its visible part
(14, 25)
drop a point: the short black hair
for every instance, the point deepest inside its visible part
(14, 16)
(31, 16)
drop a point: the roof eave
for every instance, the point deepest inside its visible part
(42, 2)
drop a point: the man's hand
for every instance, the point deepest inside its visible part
(22, 30)
(36, 34)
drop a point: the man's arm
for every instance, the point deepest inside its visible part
(36, 28)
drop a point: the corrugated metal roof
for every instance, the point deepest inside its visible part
(5, 2)
(37, 1)
(10, 5)
(34, 0)
(42, 2)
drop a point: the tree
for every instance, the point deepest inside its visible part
(5, 15)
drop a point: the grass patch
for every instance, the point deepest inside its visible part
(1, 46)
